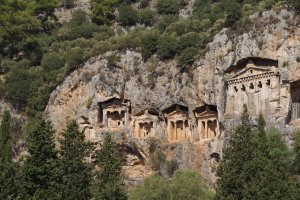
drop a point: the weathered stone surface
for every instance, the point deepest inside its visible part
(157, 84)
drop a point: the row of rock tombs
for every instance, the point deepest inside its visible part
(252, 81)
(114, 115)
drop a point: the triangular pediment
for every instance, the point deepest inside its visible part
(250, 71)
(206, 113)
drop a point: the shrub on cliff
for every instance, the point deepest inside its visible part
(147, 17)
(167, 47)
(168, 7)
(127, 15)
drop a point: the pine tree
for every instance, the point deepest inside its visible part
(295, 185)
(76, 171)
(297, 154)
(41, 170)
(277, 169)
(7, 168)
(108, 180)
(256, 164)
(231, 184)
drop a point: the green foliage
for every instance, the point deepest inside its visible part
(127, 15)
(21, 84)
(147, 17)
(52, 61)
(78, 27)
(5, 139)
(153, 188)
(188, 185)
(256, 164)
(74, 57)
(296, 164)
(105, 32)
(144, 3)
(168, 7)
(184, 185)
(165, 21)
(167, 47)
(188, 56)
(68, 3)
(236, 156)
(76, 179)
(44, 12)
(295, 4)
(112, 59)
(149, 43)
(103, 11)
(7, 167)
(108, 180)
(17, 26)
(41, 174)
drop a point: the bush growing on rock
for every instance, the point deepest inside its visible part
(127, 15)
(167, 47)
(168, 7)
(52, 61)
(147, 17)
(187, 57)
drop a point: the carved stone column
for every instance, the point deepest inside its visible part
(206, 129)
(104, 118)
(218, 132)
(126, 117)
(175, 131)
(169, 130)
(137, 130)
(184, 130)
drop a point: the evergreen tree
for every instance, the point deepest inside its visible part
(295, 185)
(297, 154)
(231, 184)
(108, 181)
(76, 171)
(277, 169)
(256, 164)
(7, 168)
(5, 139)
(41, 171)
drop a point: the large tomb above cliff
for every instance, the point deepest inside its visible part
(255, 83)
(177, 120)
(207, 121)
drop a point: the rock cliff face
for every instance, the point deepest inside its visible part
(156, 85)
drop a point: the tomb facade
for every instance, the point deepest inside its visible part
(177, 120)
(207, 121)
(145, 123)
(114, 113)
(295, 100)
(255, 83)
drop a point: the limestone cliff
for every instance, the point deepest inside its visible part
(156, 85)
